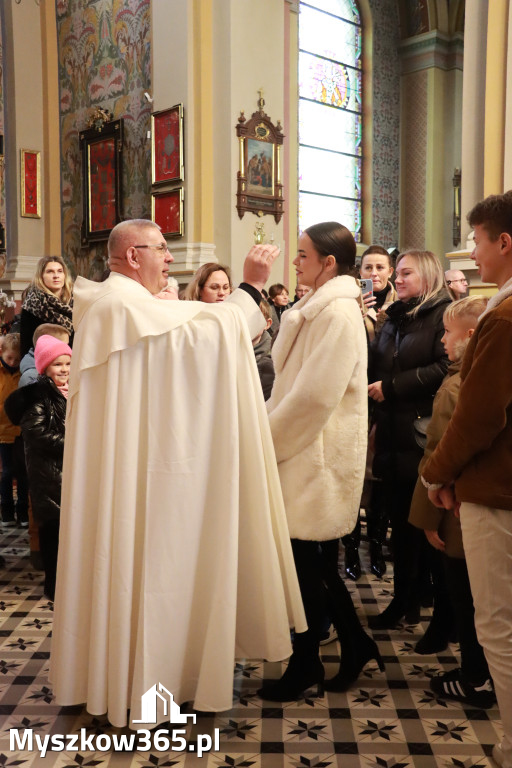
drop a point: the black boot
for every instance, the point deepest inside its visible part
(352, 562)
(304, 671)
(352, 663)
(377, 563)
(389, 617)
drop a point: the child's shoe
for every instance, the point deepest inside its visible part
(452, 685)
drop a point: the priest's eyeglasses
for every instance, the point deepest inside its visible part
(162, 247)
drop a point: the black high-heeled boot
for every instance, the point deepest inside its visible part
(352, 562)
(304, 670)
(352, 664)
(298, 676)
(377, 563)
(389, 617)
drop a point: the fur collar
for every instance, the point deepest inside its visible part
(342, 287)
(504, 292)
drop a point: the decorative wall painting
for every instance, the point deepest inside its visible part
(167, 145)
(30, 183)
(101, 165)
(167, 211)
(259, 187)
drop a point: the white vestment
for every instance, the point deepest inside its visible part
(174, 552)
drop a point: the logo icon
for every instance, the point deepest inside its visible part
(149, 703)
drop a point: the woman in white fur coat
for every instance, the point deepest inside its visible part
(318, 418)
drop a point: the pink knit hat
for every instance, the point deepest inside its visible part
(48, 348)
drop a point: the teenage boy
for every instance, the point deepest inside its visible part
(472, 464)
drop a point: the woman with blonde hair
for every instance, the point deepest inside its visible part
(49, 300)
(211, 284)
(407, 366)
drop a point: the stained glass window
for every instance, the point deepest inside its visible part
(330, 113)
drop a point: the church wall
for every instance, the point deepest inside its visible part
(104, 60)
(414, 116)
(386, 123)
(2, 132)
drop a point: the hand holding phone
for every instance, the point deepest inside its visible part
(366, 286)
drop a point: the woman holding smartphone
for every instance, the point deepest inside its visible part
(318, 418)
(377, 266)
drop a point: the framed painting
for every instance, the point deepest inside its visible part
(30, 183)
(259, 187)
(101, 180)
(167, 145)
(167, 211)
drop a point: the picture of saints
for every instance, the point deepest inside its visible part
(260, 159)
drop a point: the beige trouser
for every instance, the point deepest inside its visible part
(487, 536)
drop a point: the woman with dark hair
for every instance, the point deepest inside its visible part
(211, 284)
(49, 300)
(318, 418)
(407, 365)
(377, 266)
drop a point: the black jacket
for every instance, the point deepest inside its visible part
(409, 358)
(40, 410)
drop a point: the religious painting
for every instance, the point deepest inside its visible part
(167, 211)
(260, 167)
(259, 186)
(167, 145)
(30, 183)
(101, 147)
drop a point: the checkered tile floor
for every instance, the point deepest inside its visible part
(388, 720)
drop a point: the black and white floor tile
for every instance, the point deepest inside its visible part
(388, 720)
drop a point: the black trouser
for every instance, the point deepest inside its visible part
(408, 543)
(11, 468)
(49, 547)
(473, 663)
(323, 591)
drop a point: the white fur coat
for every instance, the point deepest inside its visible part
(318, 410)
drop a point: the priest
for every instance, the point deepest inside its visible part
(174, 553)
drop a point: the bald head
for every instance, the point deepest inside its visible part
(124, 235)
(138, 250)
(456, 282)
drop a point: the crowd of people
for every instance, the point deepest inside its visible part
(393, 397)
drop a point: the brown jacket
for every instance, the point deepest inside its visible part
(423, 513)
(476, 449)
(8, 383)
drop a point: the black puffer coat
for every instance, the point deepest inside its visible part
(40, 410)
(409, 358)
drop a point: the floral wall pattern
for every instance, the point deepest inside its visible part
(386, 122)
(104, 60)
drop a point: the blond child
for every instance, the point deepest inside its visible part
(471, 682)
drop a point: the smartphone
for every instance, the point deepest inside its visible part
(366, 286)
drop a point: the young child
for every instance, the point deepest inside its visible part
(262, 345)
(471, 682)
(9, 378)
(28, 368)
(40, 409)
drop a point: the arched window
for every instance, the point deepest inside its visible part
(330, 113)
